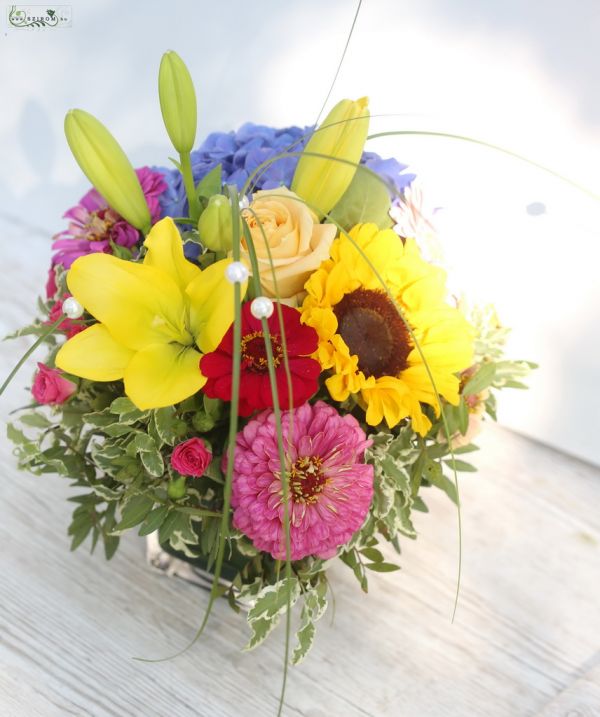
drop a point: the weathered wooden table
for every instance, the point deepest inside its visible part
(526, 640)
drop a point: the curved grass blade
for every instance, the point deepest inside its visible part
(495, 147)
(429, 375)
(280, 442)
(341, 62)
(233, 429)
(41, 338)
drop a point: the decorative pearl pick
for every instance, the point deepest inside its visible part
(262, 307)
(72, 308)
(236, 272)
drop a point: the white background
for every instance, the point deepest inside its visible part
(524, 75)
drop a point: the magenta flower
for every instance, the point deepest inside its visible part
(191, 458)
(50, 386)
(94, 225)
(330, 486)
(70, 327)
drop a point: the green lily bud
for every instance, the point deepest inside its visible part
(176, 488)
(342, 135)
(177, 101)
(105, 164)
(214, 225)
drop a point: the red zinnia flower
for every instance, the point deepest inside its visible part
(255, 390)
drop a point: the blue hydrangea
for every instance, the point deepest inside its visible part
(240, 153)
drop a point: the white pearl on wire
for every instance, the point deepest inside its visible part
(244, 203)
(262, 307)
(72, 308)
(236, 272)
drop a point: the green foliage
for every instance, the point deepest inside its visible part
(117, 458)
(269, 604)
(367, 199)
(211, 183)
(314, 607)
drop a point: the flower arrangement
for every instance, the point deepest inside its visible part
(249, 356)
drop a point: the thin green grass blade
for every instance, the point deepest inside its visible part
(340, 63)
(280, 442)
(259, 171)
(233, 429)
(41, 338)
(429, 375)
(286, 363)
(495, 147)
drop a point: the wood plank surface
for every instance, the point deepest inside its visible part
(526, 640)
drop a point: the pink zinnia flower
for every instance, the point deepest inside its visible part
(94, 225)
(330, 486)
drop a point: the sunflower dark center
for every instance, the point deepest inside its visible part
(254, 352)
(372, 328)
(307, 480)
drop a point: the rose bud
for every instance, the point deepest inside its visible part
(176, 488)
(50, 387)
(191, 458)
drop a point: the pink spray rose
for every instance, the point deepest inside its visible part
(191, 458)
(70, 327)
(50, 387)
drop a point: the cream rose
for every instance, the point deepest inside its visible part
(297, 242)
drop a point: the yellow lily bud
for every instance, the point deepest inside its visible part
(322, 182)
(105, 164)
(214, 225)
(177, 101)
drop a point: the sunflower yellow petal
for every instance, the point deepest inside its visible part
(211, 299)
(165, 251)
(94, 354)
(140, 305)
(162, 375)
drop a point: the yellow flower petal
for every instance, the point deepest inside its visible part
(402, 382)
(94, 354)
(140, 305)
(212, 305)
(165, 252)
(162, 375)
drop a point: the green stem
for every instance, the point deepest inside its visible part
(51, 329)
(280, 446)
(190, 188)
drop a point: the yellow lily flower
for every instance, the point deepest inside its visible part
(156, 319)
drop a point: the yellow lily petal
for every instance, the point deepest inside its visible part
(140, 305)
(94, 354)
(162, 375)
(212, 305)
(165, 251)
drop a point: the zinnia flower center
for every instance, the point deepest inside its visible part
(254, 352)
(307, 480)
(373, 330)
(99, 224)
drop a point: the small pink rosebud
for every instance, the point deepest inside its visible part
(50, 387)
(191, 458)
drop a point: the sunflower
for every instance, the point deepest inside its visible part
(363, 340)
